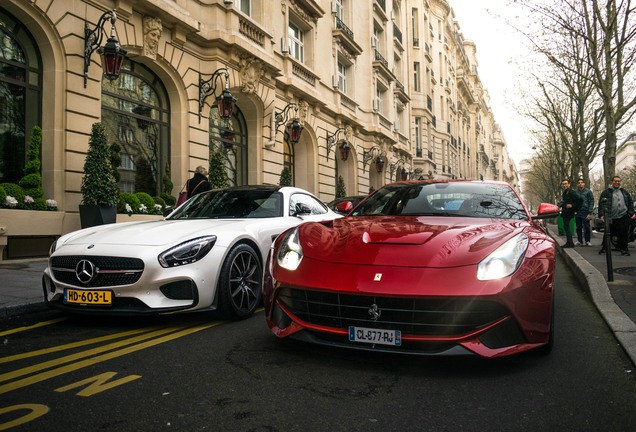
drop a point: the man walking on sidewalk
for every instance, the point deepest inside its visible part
(584, 214)
(616, 203)
(570, 203)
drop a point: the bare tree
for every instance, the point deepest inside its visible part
(606, 31)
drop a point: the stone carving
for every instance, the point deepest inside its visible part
(152, 34)
(251, 72)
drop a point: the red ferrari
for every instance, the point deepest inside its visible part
(423, 267)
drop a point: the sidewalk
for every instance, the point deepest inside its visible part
(21, 286)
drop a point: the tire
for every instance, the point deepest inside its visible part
(240, 287)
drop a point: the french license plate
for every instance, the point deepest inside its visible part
(88, 297)
(375, 336)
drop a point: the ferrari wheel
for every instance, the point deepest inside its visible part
(240, 283)
(547, 348)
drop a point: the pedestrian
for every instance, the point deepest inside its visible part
(199, 182)
(617, 204)
(584, 214)
(570, 203)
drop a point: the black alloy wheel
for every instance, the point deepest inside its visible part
(240, 283)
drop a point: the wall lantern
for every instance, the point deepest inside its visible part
(403, 172)
(344, 147)
(225, 101)
(370, 154)
(379, 164)
(112, 53)
(293, 129)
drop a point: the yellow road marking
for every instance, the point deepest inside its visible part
(40, 324)
(69, 358)
(45, 351)
(108, 356)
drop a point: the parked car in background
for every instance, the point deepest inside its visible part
(403, 272)
(354, 200)
(208, 254)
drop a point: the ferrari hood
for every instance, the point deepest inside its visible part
(149, 233)
(406, 241)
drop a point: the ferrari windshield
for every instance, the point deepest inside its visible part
(231, 204)
(465, 199)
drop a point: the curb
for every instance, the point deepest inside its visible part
(9, 312)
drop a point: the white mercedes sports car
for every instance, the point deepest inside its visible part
(208, 254)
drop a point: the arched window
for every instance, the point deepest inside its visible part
(20, 95)
(135, 113)
(288, 158)
(230, 138)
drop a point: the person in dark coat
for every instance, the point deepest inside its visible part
(584, 215)
(570, 203)
(199, 182)
(617, 204)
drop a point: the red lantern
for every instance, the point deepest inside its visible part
(112, 57)
(225, 104)
(294, 130)
(345, 149)
(379, 164)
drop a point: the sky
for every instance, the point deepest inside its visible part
(500, 50)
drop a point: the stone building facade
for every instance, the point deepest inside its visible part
(395, 78)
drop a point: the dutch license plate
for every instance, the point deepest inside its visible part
(375, 336)
(88, 297)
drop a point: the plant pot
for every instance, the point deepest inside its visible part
(93, 215)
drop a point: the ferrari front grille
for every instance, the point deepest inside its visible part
(106, 271)
(415, 316)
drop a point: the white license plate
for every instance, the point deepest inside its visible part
(375, 336)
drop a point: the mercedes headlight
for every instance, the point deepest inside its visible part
(504, 260)
(290, 253)
(187, 252)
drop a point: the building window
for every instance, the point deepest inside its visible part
(135, 111)
(376, 40)
(342, 77)
(416, 77)
(20, 95)
(380, 94)
(418, 137)
(288, 159)
(296, 42)
(339, 9)
(415, 26)
(244, 6)
(230, 138)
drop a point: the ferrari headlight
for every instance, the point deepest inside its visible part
(187, 252)
(290, 253)
(504, 260)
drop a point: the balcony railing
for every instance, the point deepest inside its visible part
(342, 26)
(397, 33)
(378, 57)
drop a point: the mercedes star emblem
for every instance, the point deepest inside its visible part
(85, 271)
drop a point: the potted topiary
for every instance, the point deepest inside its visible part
(218, 176)
(285, 177)
(341, 188)
(99, 188)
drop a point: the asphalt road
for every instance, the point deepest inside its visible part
(194, 373)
